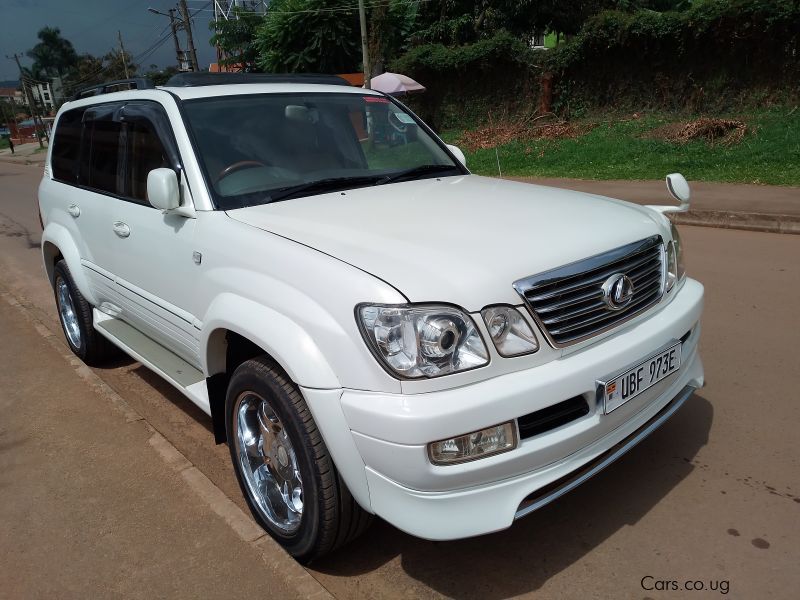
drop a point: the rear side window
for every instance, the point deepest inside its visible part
(67, 146)
(104, 171)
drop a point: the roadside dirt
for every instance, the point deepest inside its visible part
(714, 131)
(539, 128)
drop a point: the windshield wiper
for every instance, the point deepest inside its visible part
(330, 184)
(415, 172)
(321, 185)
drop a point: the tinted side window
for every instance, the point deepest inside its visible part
(67, 146)
(145, 153)
(104, 172)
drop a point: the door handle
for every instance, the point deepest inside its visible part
(74, 210)
(122, 229)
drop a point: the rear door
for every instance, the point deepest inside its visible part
(98, 178)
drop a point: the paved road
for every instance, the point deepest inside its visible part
(734, 197)
(713, 496)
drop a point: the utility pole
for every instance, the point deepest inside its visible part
(174, 23)
(26, 91)
(187, 25)
(122, 49)
(362, 13)
(179, 54)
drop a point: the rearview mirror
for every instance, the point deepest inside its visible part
(162, 189)
(458, 154)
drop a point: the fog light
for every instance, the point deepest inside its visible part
(478, 444)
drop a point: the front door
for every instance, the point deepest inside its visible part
(153, 262)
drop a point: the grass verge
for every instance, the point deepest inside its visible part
(616, 148)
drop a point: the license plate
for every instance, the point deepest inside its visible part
(636, 380)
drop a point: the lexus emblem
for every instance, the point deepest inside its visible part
(618, 291)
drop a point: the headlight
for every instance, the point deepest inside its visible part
(422, 341)
(675, 268)
(509, 331)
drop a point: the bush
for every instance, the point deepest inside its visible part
(703, 56)
(481, 55)
(717, 55)
(465, 83)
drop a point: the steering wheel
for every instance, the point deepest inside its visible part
(242, 164)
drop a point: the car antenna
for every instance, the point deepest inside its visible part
(497, 154)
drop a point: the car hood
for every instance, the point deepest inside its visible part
(462, 240)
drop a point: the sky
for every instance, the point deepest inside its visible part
(91, 26)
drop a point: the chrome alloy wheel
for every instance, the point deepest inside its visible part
(66, 311)
(268, 462)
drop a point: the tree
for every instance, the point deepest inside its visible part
(656, 5)
(236, 37)
(301, 36)
(88, 70)
(92, 70)
(53, 56)
(11, 112)
(456, 22)
(114, 67)
(390, 28)
(161, 76)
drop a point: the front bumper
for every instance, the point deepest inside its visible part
(391, 431)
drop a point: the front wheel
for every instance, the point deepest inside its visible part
(284, 470)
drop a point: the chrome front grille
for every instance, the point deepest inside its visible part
(569, 304)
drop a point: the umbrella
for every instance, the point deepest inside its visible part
(395, 84)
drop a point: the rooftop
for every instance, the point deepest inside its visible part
(203, 85)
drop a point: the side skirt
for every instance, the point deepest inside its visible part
(184, 377)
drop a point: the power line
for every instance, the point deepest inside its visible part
(348, 9)
(137, 60)
(103, 69)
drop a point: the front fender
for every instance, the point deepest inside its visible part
(57, 239)
(282, 338)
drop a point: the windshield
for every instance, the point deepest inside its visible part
(264, 148)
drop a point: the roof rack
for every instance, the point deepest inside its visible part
(136, 83)
(203, 79)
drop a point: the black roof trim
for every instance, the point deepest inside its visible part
(136, 83)
(203, 79)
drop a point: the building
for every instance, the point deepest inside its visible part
(43, 95)
(11, 94)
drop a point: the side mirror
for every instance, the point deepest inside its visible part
(679, 189)
(162, 189)
(458, 154)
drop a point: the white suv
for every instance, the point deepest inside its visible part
(371, 328)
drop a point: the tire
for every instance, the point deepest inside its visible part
(261, 393)
(75, 316)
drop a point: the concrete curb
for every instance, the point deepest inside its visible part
(764, 222)
(279, 564)
(24, 161)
